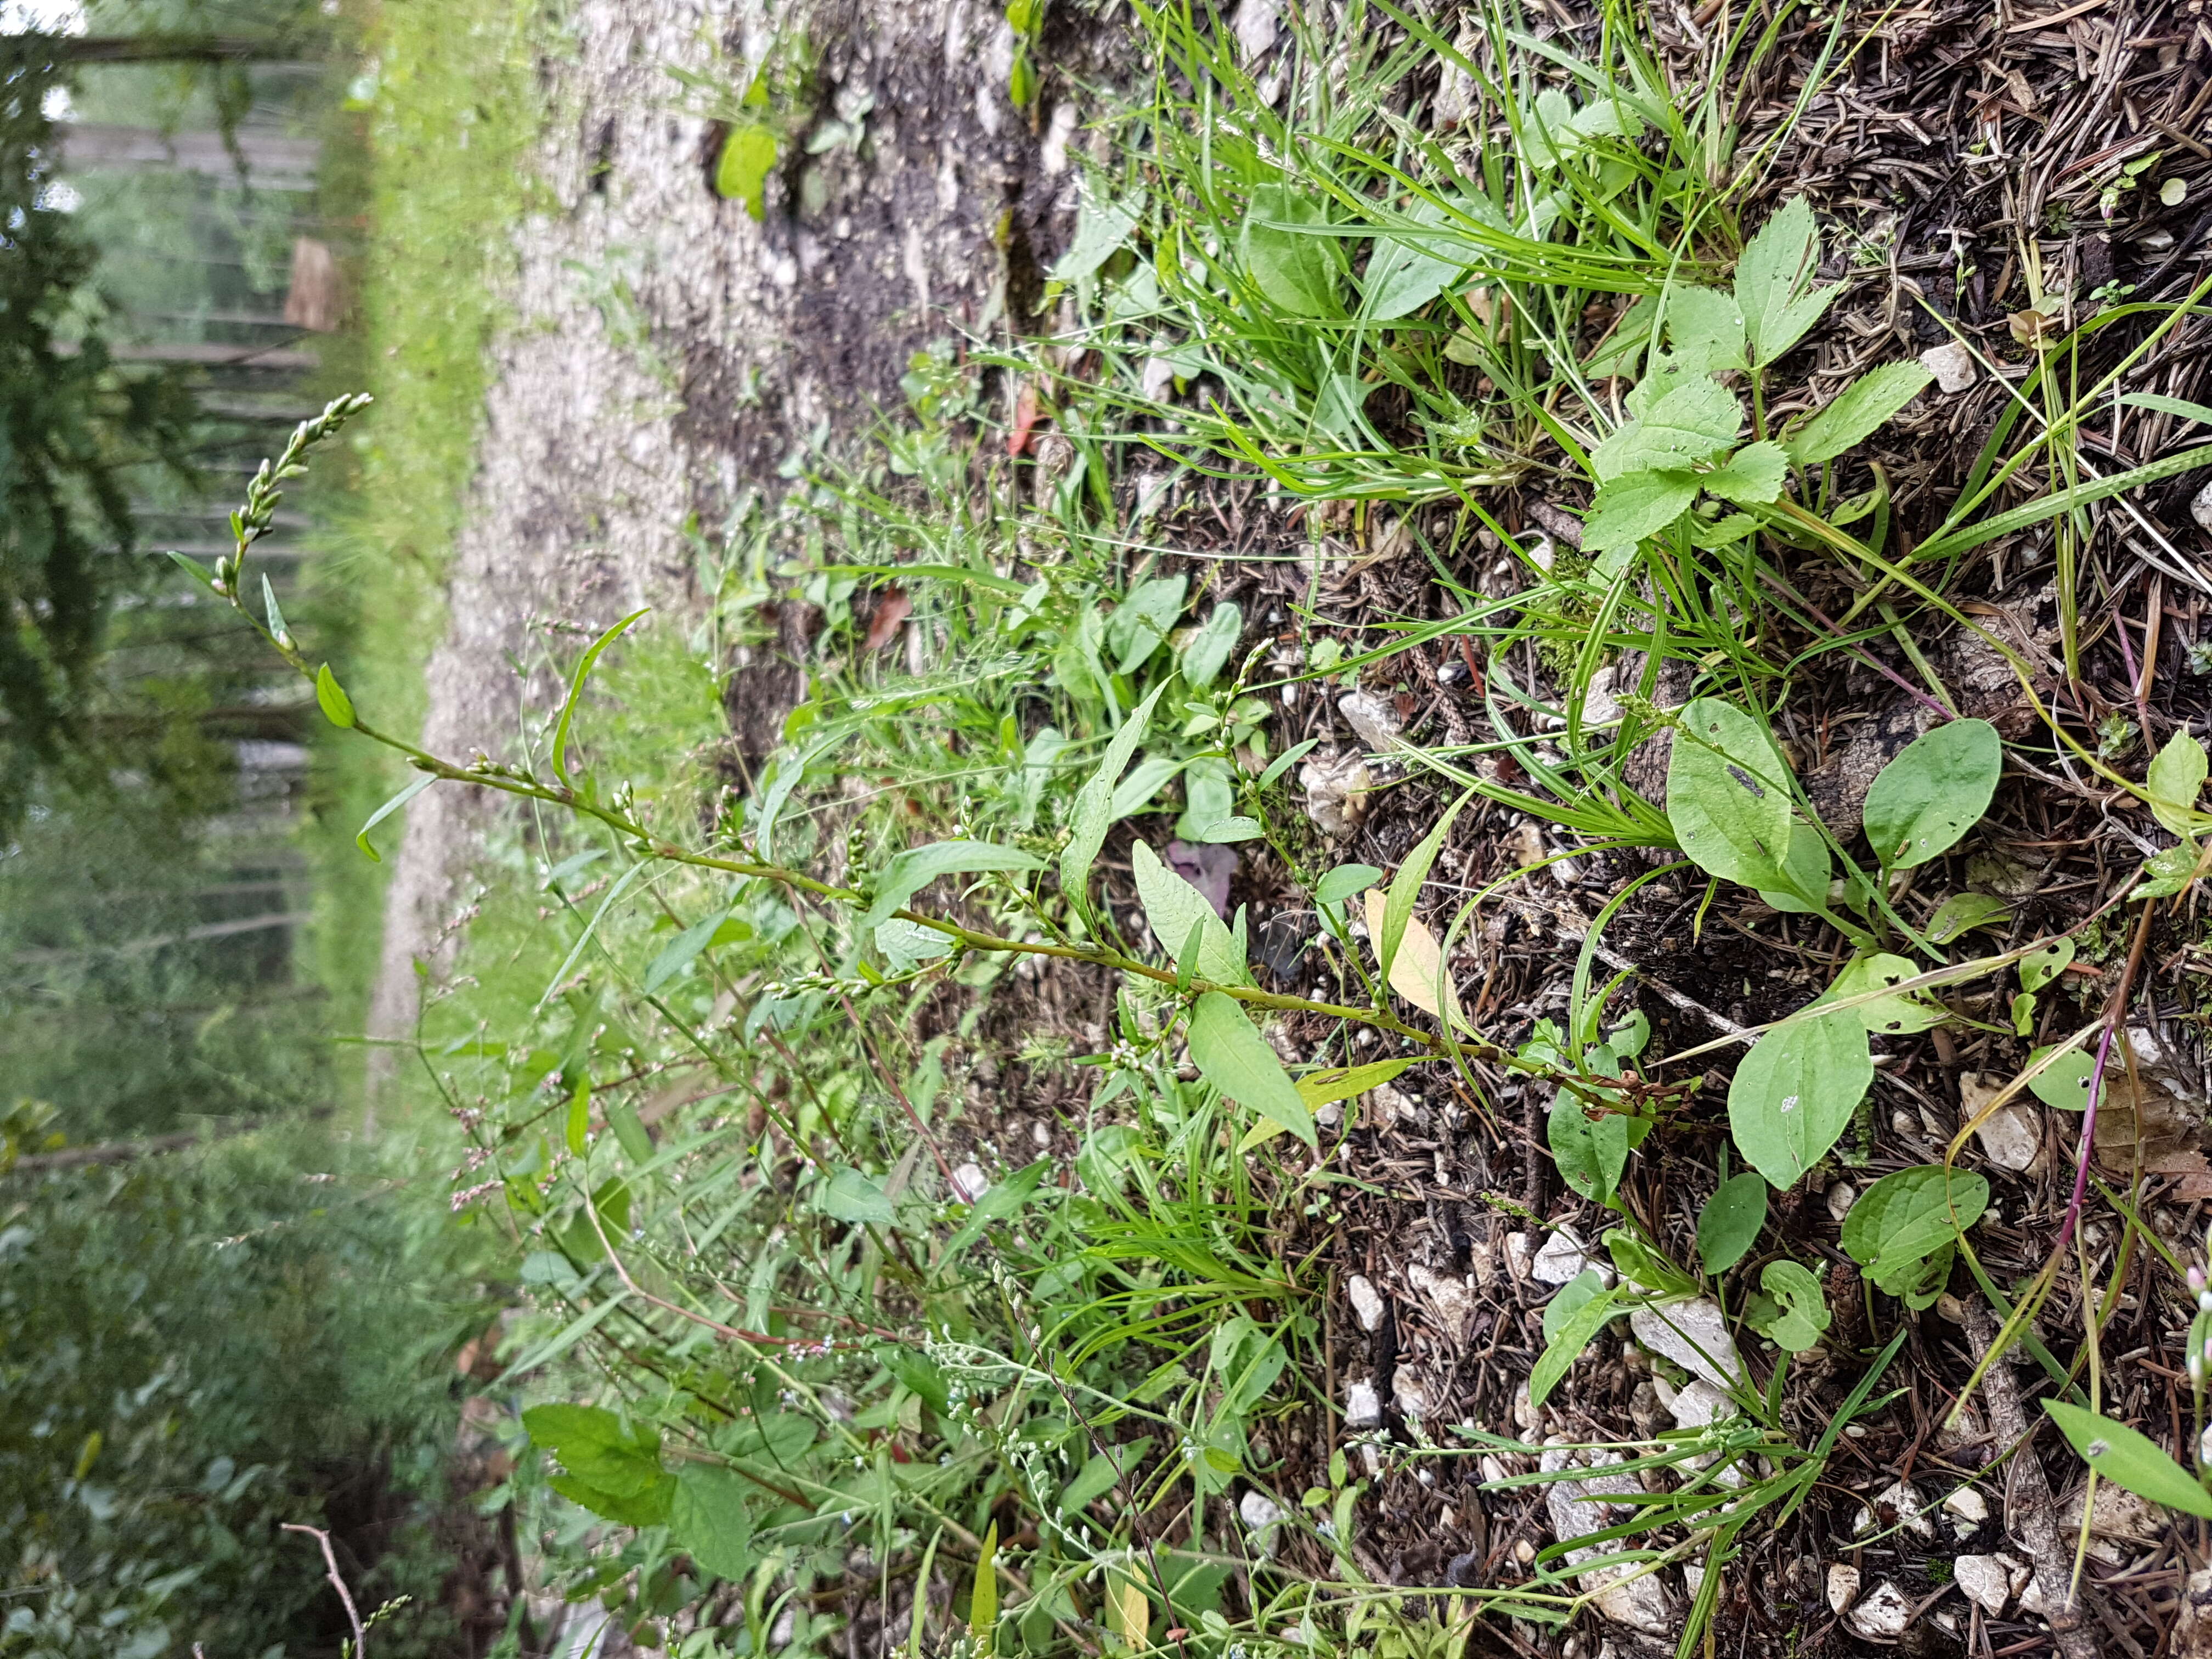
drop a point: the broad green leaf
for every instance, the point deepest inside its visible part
(920, 1375)
(1960, 913)
(907, 944)
(648, 1507)
(1704, 330)
(1142, 621)
(1574, 1335)
(1296, 272)
(1730, 1224)
(1728, 794)
(1092, 1481)
(576, 690)
(1852, 418)
(1145, 779)
(1592, 1152)
(1935, 791)
(848, 1195)
(1210, 648)
(1405, 892)
(915, 868)
(1318, 1089)
(2065, 1083)
(710, 1521)
(2176, 776)
(1903, 1228)
(604, 1451)
(1103, 223)
(1573, 1297)
(1754, 474)
(1793, 1311)
(1774, 282)
(1692, 423)
(1228, 830)
(2168, 872)
(1894, 1016)
(1409, 270)
(1173, 908)
(337, 708)
(361, 837)
(1626, 510)
(2038, 968)
(1794, 1094)
(1804, 872)
(1641, 1265)
(1341, 883)
(2129, 1459)
(741, 171)
(681, 951)
(1237, 1059)
(1094, 802)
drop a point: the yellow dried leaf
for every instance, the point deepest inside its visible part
(1417, 973)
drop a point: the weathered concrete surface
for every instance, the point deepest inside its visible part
(670, 352)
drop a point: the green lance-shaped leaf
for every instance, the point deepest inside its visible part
(1774, 282)
(1574, 1333)
(1237, 1059)
(848, 1195)
(1175, 910)
(1094, 802)
(1729, 1224)
(915, 868)
(741, 171)
(1794, 1093)
(1856, 412)
(1728, 794)
(1935, 791)
(2129, 1459)
(983, 1595)
(576, 690)
(337, 708)
(398, 800)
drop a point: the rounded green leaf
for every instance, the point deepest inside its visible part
(741, 171)
(1794, 1092)
(1905, 1220)
(1793, 1311)
(1728, 794)
(2065, 1084)
(336, 707)
(1935, 791)
(2129, 1459)
(1728, 1226)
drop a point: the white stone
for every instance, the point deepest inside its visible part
(1373, 719)
(1524, 1411)
(2200, 507)
(1912, 1517)
(1694, 1335)
(969, 1182)
(1953, 366)
(1578, 1508)
(1561, 1259)
(1883, 1615)
(1363, 1406)
(2011, 1137)
(1257, 21)
(1492, 1468)
(1366, 1301)
(1336, 788)
(1261, 1514)
(1699, 1404)
(1841, 1197)
(1449, 1295)
(1984, 1580)
(1968, 1505)
(1520, 1255)
(1842, 1586)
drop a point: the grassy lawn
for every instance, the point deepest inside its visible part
(453, 112)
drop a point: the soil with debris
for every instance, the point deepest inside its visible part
(1949, 126)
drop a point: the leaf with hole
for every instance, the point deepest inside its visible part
(2065, 1082)
(1903, 1228)
(2038, 968)
(1935, 791)
(1891, 1015)
(1793, 1095)
(1730, 1224)
(2129, 1459)
(1790, 1310)
(1728, 794)
(1235, 1059)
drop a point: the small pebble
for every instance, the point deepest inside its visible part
(1842, 1586)
(1366, 1301)
(1953, 366)
(1883, 1616)
(1363, 1406)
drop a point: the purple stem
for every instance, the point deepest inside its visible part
(2127, 651)
(2089, 1133)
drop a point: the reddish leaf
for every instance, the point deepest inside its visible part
(892, 608)
(1026, 419)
